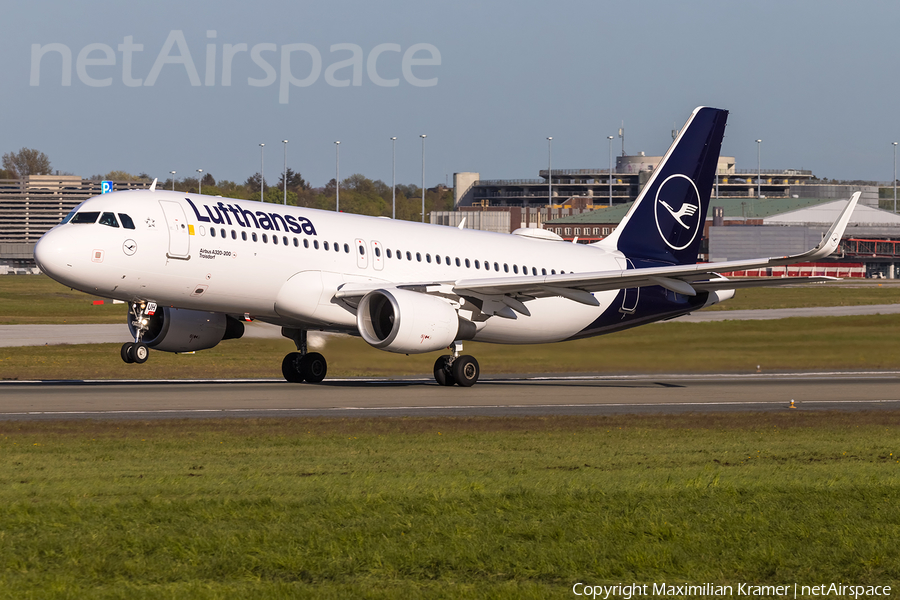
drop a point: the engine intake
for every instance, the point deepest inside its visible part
(409, 322)
(183, 330)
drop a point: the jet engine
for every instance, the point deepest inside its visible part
(409, 322)
(182, 330)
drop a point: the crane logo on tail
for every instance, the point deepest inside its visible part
(678, 213)
(686, 210)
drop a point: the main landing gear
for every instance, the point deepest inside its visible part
(456, 369)
(137, 351)
(301, 366)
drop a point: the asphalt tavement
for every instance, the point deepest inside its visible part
(509, 396)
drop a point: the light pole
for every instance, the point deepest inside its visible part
(337, 177)
(423, 176)
(549, 171)
(200, 181)
(262, 178)
(393, 177)
(758, 170)
(894, 144)
(173, 180)
(284, 175)
(609, 172)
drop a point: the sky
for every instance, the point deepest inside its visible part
(487, 82)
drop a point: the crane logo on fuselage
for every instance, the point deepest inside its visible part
(222, 214)
(678, 211)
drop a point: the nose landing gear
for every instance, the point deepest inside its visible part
(301, 366)
(456, 369)
(137, 351)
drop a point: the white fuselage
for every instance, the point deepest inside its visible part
(178, 255)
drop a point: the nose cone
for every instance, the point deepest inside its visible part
(52, 255)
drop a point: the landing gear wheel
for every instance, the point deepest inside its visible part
(443, 371)
(127, 352)
(290, 367)
(465, 370)
(139, 353)
(313, 367)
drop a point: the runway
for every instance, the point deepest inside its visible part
(411, 397)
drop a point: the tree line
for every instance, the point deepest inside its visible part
(358, 194)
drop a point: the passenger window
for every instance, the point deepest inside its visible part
(543, 271)
(553, 271)
(467, 263)
(515, 269)
(505, 267)
(337, 247)
(85, 217)
(306, 243)
(534, 271)
(244, 235)
(254, 236)
(316, 244)
(388, 252)
(362, 250)
(265, 239)
(275, 239)
(212, 232)
(408, 255)
(296, 243)
(437, 258)
(222, 231)
(284, 240)
(109, 219)
(419, 256)
(233, 234)
(325, 245)
(127, 223)
(377, 251)
(347, 248)
(428, 258)
(477, 264)
(457, 261)
(447, 258)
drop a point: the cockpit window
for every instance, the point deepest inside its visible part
(85, 217)
(127, 223)
(109, 219)
(69, 216)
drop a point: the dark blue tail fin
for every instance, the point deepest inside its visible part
(666, 221)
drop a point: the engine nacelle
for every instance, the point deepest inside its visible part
(409, 322)
(182, 330)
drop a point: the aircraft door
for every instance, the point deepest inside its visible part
(377, 256)
(179, 236)
(631, 296)
(362, 258)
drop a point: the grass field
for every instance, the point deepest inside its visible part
(455, 508)
(847, 343)
(38, 299)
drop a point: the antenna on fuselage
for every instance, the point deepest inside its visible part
(153, 185)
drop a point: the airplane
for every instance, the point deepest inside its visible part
(193, 268)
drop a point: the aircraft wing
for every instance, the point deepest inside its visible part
(683, 279)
